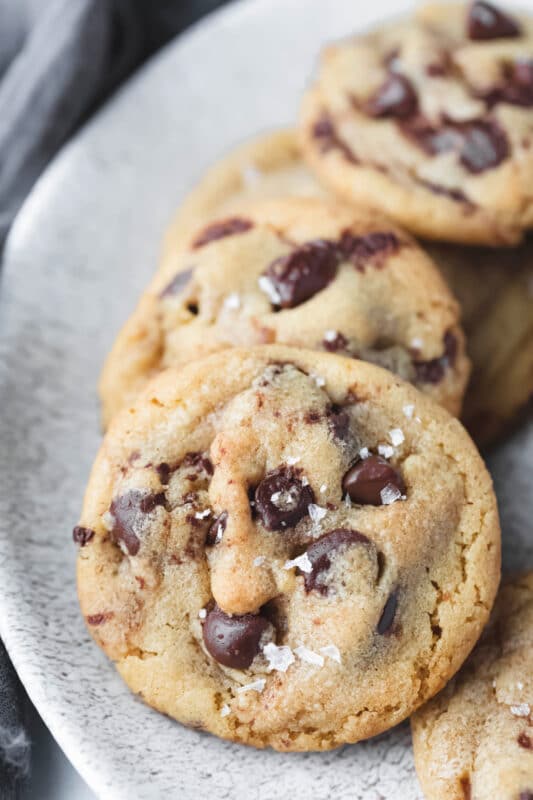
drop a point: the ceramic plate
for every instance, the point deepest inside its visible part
(83, 247)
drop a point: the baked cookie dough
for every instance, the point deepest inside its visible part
(474, 741)
(430, 120)
(304, 272)
(495, 292)
(287, 548)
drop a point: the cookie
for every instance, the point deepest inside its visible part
(303, 272)
(495, 291)
(494, 286)
(431, 121)
(474, 741)
(287, 548)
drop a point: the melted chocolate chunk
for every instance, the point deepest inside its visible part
(220, 230)
(282, 500)
(364, 482)
(525, 741)
(372, 248)
(387, 615)
(216, 530)
(298, 276)
(516, 87)
(339, 422)
(198, 461)
(456, 195)
(395, 98)
(526, 794)
(164, 471)
(335, 343)
(82, 536)
(484, 147)
(485, 21)
(321, 553)
(433, 371)
(326, 134)
(99, 619)
(481, 144)
(177, 283)
(128, 511)
(233, 641)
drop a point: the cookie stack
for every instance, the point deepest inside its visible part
(288, 538)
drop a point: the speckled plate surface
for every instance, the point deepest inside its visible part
(83, 247)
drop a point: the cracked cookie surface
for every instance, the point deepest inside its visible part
(431, 121)
(304, 272)
(287, 548)
(474, 741)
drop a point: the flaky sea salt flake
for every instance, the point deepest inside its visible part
(292, 460)
(409, 410)
(317, 513)
(364, 452)
(232, 301)
(385, 450)
(302, 562)
(203, 514)
(330, 651)
(520, 710)
(254, 686)
(390, 494)
(225, 710)
(202, 613)
(259, 561)
(396, 436)
(108, 521)
(309, 656)
(266, 286)
(279, 658)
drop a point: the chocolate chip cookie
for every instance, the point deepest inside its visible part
(287, 548)
(431, 121)
(474, 741)
(494, 286)
(304, 272)
(495, 290)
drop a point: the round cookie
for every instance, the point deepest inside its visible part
(494, 286)
(495, 291)
(474, 741)
(287, 548)
(431, 121)
(304, 272)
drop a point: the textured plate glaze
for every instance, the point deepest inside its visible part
(83, 247)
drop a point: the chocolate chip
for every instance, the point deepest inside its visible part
(128, 511)
(485, 21)
(198, 461)
(335, 343)
(525, 741)
(164, 471)
(395, 98)
(365, 481)
(339, 422)
(484, 147)
(516, 87)
(298, 276)
(433, 371)
(220, 230)
(216, 529)
(99, 619)
(82, 535)
(481, 144)
(281, 499)
(321, 552)
(177, 283)
(387, 615)
(233, 641)
(373, 248)
(326, 134)
(456, 195)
